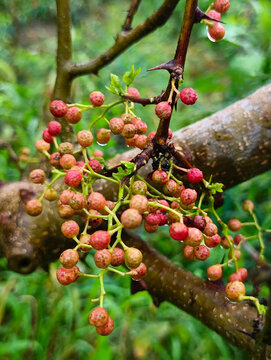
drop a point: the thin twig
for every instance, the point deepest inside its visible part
(131, 13)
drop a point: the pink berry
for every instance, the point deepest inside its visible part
(188, 96)
(142, 127)
(69, 258)
(163, 110)
(140, 203)
(238, 238)
(151, 135)
(178, 231)
(131, 219)
(37, 176)
(201, 252)
(216, 32)
(67, 161)
(159, 177)
(73, 178)
(103, 136)
(214, 15)
(133, 92)
(65, 196)
(102, 258)
(106, 329)
(222, 6)
(54, 128)
(212, 241)
(100, 239)
(153, 218)
(188, 196)
(85, 138)
(234, 225)
(214, 272)
(141, 141)
(116, 125)
(33, 207)
(194, 175)
(188, 252)
(47, 136)
(248, 205)
(67, 276)
(95, 165)
(150, 228)
(210, 229)
(73, 115)
(96, 201)
(65, 148)
(58, 108)
(118, 257)
(128, 131)
(96, 98)
(139, 272)
(235, 290)
(98, 153)
(70, 229)
(77, 201)
(98, 317)
(194, 237)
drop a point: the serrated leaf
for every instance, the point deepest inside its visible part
(216, 187)
(129, 168)
(115, 82)
(129, 77)
(129, 165)
(112, 90)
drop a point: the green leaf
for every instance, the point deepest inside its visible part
(129, 77)
(129, 168)
(115, 86)
(216, 187)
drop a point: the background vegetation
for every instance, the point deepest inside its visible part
(40, 319)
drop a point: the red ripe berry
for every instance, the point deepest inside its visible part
(188, 196)
(67, 276)
(47, 136)
(65, 148)
(165, 203)
(234, 225)
(100, 239)
(194, 237)
(214, 272)
(58, 108)
(235, 290)
(54, 128)
(243, 273)
(67, 161)
(70, 229)
(214, 15)
(194, 175)
(238, 238)
(94, 222)
(188, 252)
(224, 241)
(96, 98)
(236, 276)
(222, 6)
(33, 207)
(126, 118)
(37, 176)
(216, 32)
(210, 229)
(131, 142)
(131, 219)
(42, 145)
(85, 138)
(141, 141)
(133, 258)
(116, 125)
(153, 218)
(150, 228)
(106, 329)
(188, 96)
(163, 219)
(236, 252)
(102, 258)
(140, 203)
(142, 127)
(248, 205)
(201, 252)
(69, 258)
(77, 201)
(95, 165)
(84, 240)
(110, 205)
(65, 196)
(73, 178)
(133, 92)
(73, 115)
(118, 257)
(98, 317)
(159, 177)
(170, 133)
(139, 272)
(98, 153)
(212, 241)
(199, 222)
(128, 131)
(178, 231)
(103, 136)
(163, 110)
(96, 201)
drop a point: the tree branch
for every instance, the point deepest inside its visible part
(124, 40)
(131, 13)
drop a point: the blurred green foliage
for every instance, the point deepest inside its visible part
(40, 319)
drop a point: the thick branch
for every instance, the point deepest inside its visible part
(125, 39)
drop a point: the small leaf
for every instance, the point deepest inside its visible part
(129, 77)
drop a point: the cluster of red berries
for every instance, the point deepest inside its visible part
(216, 30)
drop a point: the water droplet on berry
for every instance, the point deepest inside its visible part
(209, 36)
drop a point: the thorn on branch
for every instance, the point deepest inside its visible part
(200, 15)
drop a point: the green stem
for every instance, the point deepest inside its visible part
(102, 291)
(106, 108)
